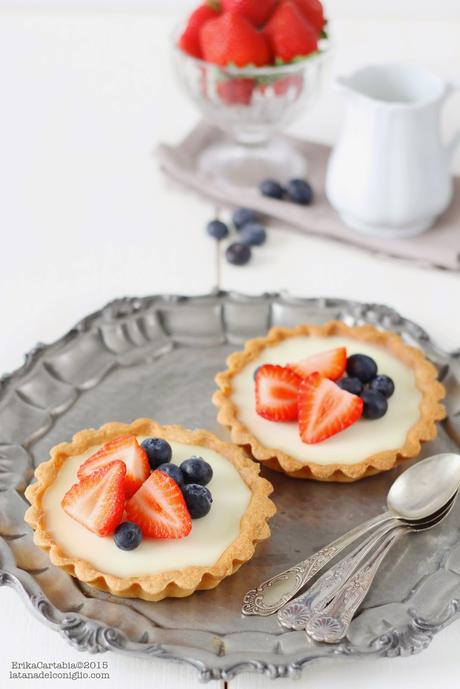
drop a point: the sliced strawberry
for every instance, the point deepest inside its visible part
(159, 508)
(276, 393)
(127, 449)
(98, 500)
(325, 409)
(330, 364)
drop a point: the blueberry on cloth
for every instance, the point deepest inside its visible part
(253, 234)
(243, 216)
(217, 229)
(238, 254)
(300, 191)
(272, 188)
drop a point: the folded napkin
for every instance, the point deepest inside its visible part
(439, 247)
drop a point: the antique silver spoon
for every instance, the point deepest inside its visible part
(417, 493)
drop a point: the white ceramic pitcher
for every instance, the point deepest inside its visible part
(390, 173)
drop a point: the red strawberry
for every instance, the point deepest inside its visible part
(255, 11)
(159, 508)
(189, 41)
(325, 409)
(330, 364)
(98, 500)
(236, 91)
(276, 393)
(231, 39)
(285, 84)
(313, 12)
(127, 449)
(289, 33)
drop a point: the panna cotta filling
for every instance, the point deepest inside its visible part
(354, 444)
(209, 538)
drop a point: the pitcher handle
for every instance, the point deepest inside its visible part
(452, 87)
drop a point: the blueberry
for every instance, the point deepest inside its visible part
(196, 470)
(198, 499)
(352, 385)
(375, 404)
(158, 451)
(174, 472)
(243, 216)
(362, 367)
(217, 229)
(382, 384)
(253, 234)
(238, 253)
(272, 188)
(127, 536)
(300, 191)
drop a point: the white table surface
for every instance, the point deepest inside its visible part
(85, 216)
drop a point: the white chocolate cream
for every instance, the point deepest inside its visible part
(209, 538)
(357, 442)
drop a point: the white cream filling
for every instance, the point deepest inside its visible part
(355, 443)
(209, 538)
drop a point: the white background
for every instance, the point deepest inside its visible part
(86, 92)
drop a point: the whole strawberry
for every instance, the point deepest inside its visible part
(290, 35)
(256, 11)
(233, 40)
(313, 12)
(189, 41)
(236, 91)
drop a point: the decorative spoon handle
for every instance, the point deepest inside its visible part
(331, 624)
(272, 594)
(296, 613)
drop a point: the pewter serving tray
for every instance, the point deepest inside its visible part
(157, 357)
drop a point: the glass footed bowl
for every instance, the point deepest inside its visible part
(250, 105)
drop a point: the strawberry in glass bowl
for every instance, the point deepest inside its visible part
(251, 66)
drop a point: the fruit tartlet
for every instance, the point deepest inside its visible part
(330, 402)
(149, 511)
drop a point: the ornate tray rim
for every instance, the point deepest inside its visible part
(86, 634)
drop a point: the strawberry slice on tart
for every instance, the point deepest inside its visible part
(276, 392)
(124, 448)
(325, 409)
(330, 364)
(97, 501)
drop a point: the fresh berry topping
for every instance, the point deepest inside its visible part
(173, 471)
(256, 11)
(352, 385)
(97, 501)
(198, 500)
(313, 12)
(243, 216)
(238, 254)
(253, 234)
(330, 364)
(375, 404)
(361, 366)
(290, 35)
(236, 91)
(276, 393)
(325, 409)
(127, 536)
(232, 39)
(217, 229)
(159, 508)
(382, 384)
(158, 451)
(300, 191)
(127, 449)
(196, 470)
(292, 84)
(189, 41)
(272, 188)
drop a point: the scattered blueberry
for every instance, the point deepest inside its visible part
(238, 253)
(198, 499)
(196, 470)
(300, 191)
(361, 366)
(158, 451)
(375, 404)
(127, 536)
(382, 384)
(217, 229)
(243, 216)
(253, 234)
(352, 385)
(272, 188)
(174, 472)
